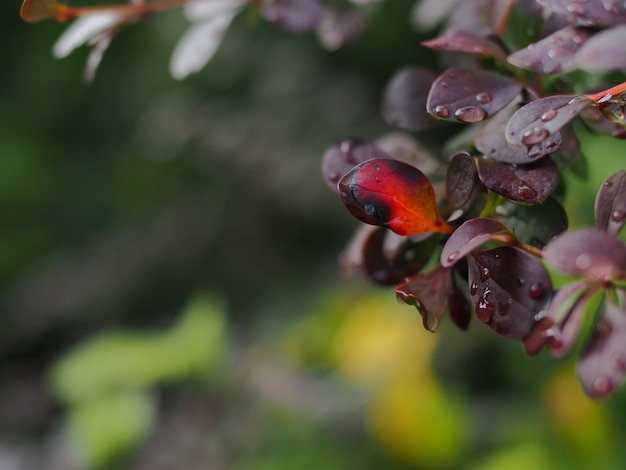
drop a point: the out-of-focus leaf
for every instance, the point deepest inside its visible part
(481, 16)
(459, 308)
(529, 184)
(553, 54)
(461, 181)
(607, 12)
(83, 30)
(603, 363)
(465, 95)
(404, 99)
(429, 293)
(536, 121)
(508, 288)
(468, 237)
(536, 224)
(458, 40)
(345, 155)
(610, 206)
(37, 10)
(392, 194)
(429, 13)
(297, 16)
(340, 27)
(593, 117)
(593, 253)
(604, 52)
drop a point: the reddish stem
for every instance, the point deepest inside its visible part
(613, 91)
(509, 240)
(65, 12)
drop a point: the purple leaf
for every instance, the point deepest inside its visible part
(345, 155)
(594, 118)
(404, 99)
(460, 310)
(603, 363)
(461, 182)
(465, 95)
(539, 119)
(604, 52)
(607, 12)
(469, 236)
(553, 54)
(610, 207)
(590, 252)
(458, 40)
(297, 16)
(429, 293)
(508, 288)
(529, 184)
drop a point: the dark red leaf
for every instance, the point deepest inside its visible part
(553, 54)
(460, 310)
(345, 155)
(529, 184)
(469, 236)
(593, 253)
(603, 363)
(404, 99)
(508, 288)
(470, 95)
(392, 194)
(597, 122)
(462, 184)
(539, 119)
(607, 12)
(298, 16)
(429, 293)
(604, 52)
(610, 207)
(458, 40)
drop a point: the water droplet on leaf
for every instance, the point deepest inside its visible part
(442, 111)
(470, 114)
(483, 98)
(576, 9)
(534, 135)
(548, 115)
(370, 209)
(582, 261)
(618, 216)
(473, 288)
(602, 385)
(535, 290)
(452, 256)
(484, 274)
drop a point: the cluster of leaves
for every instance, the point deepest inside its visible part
(496, 220)
(96, 26)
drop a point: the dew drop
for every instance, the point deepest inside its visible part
(608, 184)
(485, 310)
(470, 114)
(548, 115)
(526, 192)
(521, 281)
(576, 9)
(484, 274)
(534, 135)
(535, 290)
(377, 167)
(582, 261)
(444, 84)
(378, 179)
(370, 209)
(618, 216)
(483, 97)
(452, 256)
(346, 146)
(504, 307)
(473, 288)
(602, 385)
(442, 111)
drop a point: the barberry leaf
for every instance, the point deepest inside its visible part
(345, 155)
(594, 118)
(392, 194)
(470, 95)
(429, 293)
(404, 99)
(458, 40)
(529, 184)
(555, 53)
(508, 287)
(610, 206)
(604, 52)
(607, 12)
(459, 308)
(590, 252)
(297, 16)
(469, 236)
(461, 182)
(536, 121)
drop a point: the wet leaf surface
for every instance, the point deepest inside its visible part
(590, 252)
(604, 52)
(464, 95)
(537, 120)
(429, 293)
(529, 184)
(392, 194)
(598, 123)
(606, 12)
(458, 40)
(610, 206)
(508, 287)
(404, 99)
(459, 308)
(468, 237)
(345, 155)
(603, 363)
(297, 16)
(555, 53)
(462, 184)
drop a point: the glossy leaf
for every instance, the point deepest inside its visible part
(429, 293)
(468, 237)
(297, 16)
(607, 12)
(37, 10)
(610, 207)
(535, 225)
(392, 194)
(404, 99)
(529, 184)
(604, 52)
(461, 182)
(345, 155)
(603, 363)
(536, 121)
(465, 95)
(590, 252)
(458, 40)
(340, 27)
(555, 53)
(508, 287)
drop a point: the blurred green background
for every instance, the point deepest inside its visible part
(169, 290)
